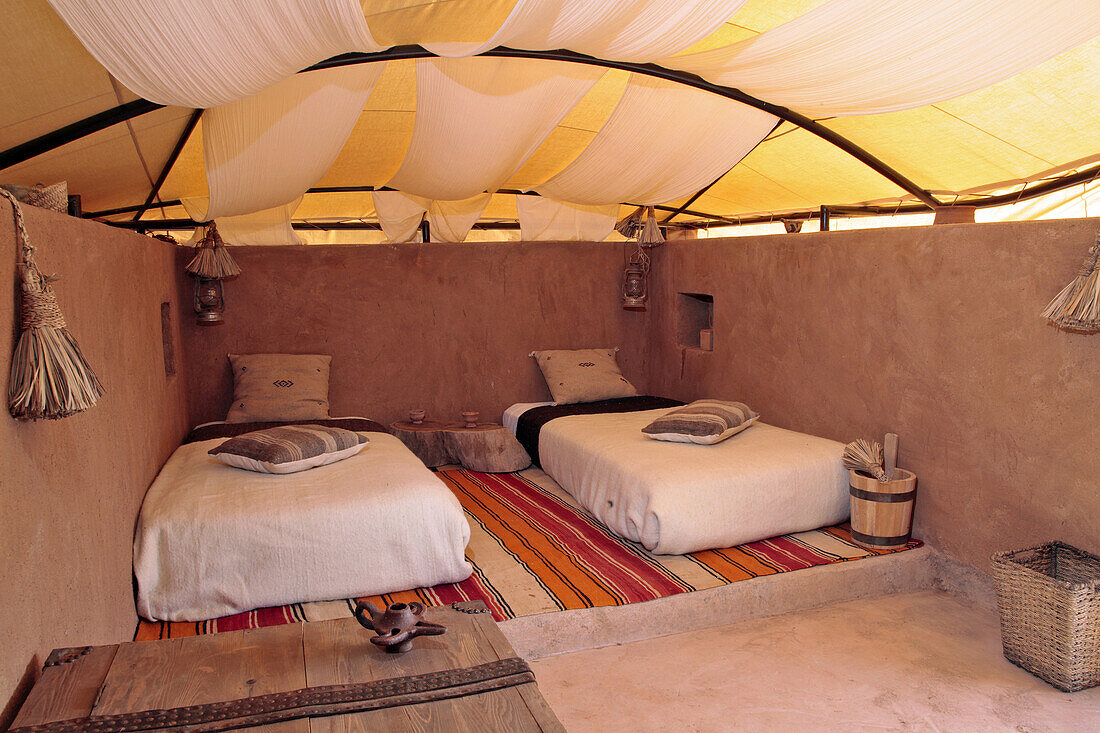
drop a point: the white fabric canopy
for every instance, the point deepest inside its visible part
(202, 53)
(398, 214)
(850, 57)
(267, 149)
(268, 227)
(663, 142)
(624, 30)
(478, 120)
(267, 137)
(451, 221)
(545, 220)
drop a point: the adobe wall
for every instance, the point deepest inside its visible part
(444, 327)
(933, 333)
(70, 489)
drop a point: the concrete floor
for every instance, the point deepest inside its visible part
(925, 661)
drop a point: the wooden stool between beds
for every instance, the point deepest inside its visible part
(486, 447)
(306, 677)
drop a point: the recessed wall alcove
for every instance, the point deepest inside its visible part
(694, 313)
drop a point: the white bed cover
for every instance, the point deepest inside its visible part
(213, 540)
(676, 498)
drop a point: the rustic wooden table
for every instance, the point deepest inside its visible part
(425, 439)
(297, 670)
(488, 447)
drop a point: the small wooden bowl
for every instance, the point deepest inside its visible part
(470, 418)
(416, 417)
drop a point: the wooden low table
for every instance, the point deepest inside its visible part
(425, 439)
(299, 677)
(488, 447)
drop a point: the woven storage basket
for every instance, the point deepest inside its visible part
(55, 197)
(1049, 598)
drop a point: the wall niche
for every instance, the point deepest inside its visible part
(695, 321)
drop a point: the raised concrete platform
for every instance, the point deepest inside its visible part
(547, 634)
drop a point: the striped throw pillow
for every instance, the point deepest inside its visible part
(289, 449)
(703, 421)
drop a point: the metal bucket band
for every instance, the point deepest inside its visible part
(881, 496)
(870, 539)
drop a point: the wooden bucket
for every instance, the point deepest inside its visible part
(882, 513)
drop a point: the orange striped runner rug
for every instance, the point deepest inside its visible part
(535, 550)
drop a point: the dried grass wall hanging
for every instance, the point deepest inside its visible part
(49, 376)
(1077, 307)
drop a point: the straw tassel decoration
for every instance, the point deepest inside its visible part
(212, 261)
(861, 455)
(1077, 307)
(651, 234)
(49, 376)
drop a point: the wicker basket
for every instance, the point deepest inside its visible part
(1049, 598)
(55, 197)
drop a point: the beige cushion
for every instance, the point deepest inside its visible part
(289, 449)
(703, 421)
(279, 387)
(583, 375)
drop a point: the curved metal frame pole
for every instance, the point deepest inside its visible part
(659, 72)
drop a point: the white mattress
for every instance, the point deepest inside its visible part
(512, 414)
(676, 498)
(213, 540)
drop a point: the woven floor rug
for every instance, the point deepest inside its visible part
(534, 550)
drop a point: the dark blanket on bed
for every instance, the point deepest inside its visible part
(233, 429)
(530, 423)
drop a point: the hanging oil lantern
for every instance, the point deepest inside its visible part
(635, 290)
(209, 301)
(212, 264)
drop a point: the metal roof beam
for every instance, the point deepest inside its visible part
(365, 189)
(1048, 186)
(171, 161)
(659, 72)
(75, 131)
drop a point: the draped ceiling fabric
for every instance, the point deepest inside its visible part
(478, 121)
(266, 150)
(399, 215)
(851, 57)
(545, 220)
(266, 227)
(887, 74)
(640, 153)
(202, 53)
(450, 221)
(625, 30)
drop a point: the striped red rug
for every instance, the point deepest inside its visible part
(534, 550)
